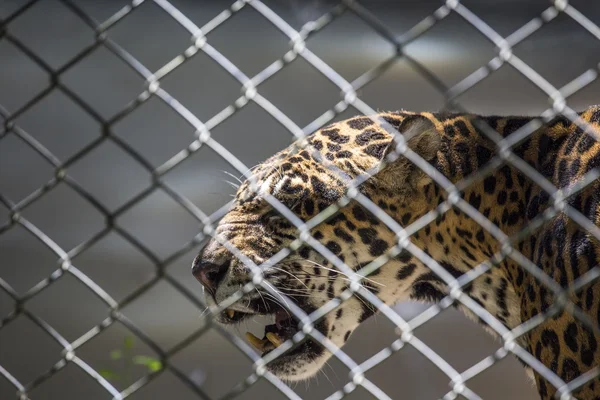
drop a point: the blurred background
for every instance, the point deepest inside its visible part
(452, 49)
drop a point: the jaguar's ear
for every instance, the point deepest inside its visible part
(423, 138)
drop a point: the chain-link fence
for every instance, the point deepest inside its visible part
(58, 237)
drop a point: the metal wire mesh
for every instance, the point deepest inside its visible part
(250, 87)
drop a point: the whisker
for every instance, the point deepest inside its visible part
(341, 273)
(233, 185)
(279, 303)
(332, 369)
(204, 312)
(261, 296)
(277, 292)
(325, 374)
(289, 273)
(233, 176)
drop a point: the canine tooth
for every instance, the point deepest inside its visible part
(256, 342)
(274, 338)
(230, 313)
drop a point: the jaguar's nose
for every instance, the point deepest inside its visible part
(209, 274)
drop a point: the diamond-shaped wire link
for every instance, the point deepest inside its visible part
(250, 89)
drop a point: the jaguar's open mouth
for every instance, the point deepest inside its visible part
(297, 362)
(283, 328)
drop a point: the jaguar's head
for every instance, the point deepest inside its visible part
(306, 186)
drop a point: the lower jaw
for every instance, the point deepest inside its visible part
(291, 365)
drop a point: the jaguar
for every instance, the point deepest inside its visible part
(547, 230)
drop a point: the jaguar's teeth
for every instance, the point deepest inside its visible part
(274, 338)
(259, 344)
(230, 313)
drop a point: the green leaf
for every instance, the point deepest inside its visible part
(154, 366)
(143, 360)
(151, 363)
(116, 354)
(128, 342)
(108, 374)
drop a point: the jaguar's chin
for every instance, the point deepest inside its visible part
(299, 363)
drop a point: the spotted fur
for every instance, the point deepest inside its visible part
(457, 148)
